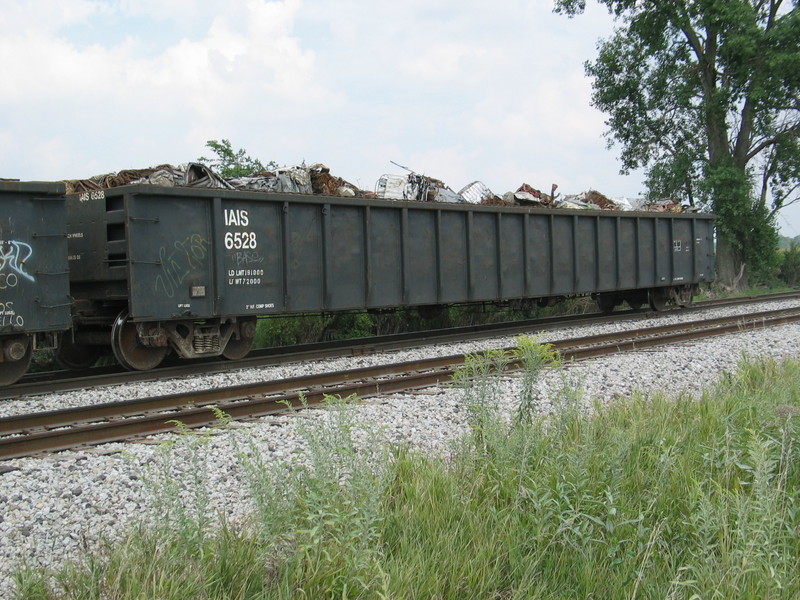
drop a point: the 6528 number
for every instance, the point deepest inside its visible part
(240, 240)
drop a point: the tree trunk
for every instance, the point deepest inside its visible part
(731, 269)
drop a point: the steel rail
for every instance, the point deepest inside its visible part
(34, 384)
(248, 401)
(574, 348)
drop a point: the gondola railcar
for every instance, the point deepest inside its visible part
(155, 270)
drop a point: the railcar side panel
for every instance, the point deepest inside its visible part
(453, 262)
(562, 254)
(170, 256)
(203, 253)
(34, 281)
(483, 255)
(305, 266)
(607, 253)
(587, 244)
(627, 233)
(512, 255)
(384, 273)
(645, 252)
(538, 257)
(418, 229)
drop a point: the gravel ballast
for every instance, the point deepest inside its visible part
(58, 507)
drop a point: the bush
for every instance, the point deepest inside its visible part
(789, 266)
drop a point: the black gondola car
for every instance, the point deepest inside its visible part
(34, 284)
(158, 268)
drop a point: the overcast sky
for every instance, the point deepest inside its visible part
(457, 89)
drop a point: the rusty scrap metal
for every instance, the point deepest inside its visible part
(413, 186)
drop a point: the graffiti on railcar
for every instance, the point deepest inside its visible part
(247, 257)
(13, 257)
(179, 261)
(9, 316)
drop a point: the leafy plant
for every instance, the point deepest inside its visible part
(533, 357)
(233, 163)
(789, 266)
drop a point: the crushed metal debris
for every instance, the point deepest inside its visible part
(412, 186)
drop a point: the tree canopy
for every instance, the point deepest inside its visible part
(706, 96)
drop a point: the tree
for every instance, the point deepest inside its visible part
(706, 96)
(233, 164)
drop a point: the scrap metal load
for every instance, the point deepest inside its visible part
(415, 187)
(315, 179)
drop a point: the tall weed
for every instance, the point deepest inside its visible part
(533, 358)
(322, 516)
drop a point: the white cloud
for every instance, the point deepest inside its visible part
(459, 90)
(115, 100)
(256, 50)
(30, 16)
(444, 61)
(174, 10)
(553, 111)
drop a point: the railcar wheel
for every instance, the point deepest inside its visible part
(76, 356)
(686, 297)
(17, 353)
(238, 347)
(128, 351)
(658, 298)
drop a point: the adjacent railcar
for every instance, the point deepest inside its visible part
(156, 268)
(34, 283)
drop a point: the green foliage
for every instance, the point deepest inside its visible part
(323, 515)
(229, 163)
(789, 266)
(533, 357)
(301, 329)
(478, 379)
(650, 497)
(749, 227)
(785, 243)
(704, 96)
(289, 331)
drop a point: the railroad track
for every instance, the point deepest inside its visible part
(27, 435)
(60, 381)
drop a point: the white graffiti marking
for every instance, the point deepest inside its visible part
(13, 256)
(8, 281)
(9, 317)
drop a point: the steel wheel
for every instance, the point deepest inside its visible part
(686, 297)
(76, 356)
(128, 351)
(658, 298)
(12, 370)
(238, 346)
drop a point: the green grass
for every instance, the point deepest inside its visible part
(650, 497)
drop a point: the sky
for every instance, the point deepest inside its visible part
(460, 90)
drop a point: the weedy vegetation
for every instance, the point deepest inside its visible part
(648, 497)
